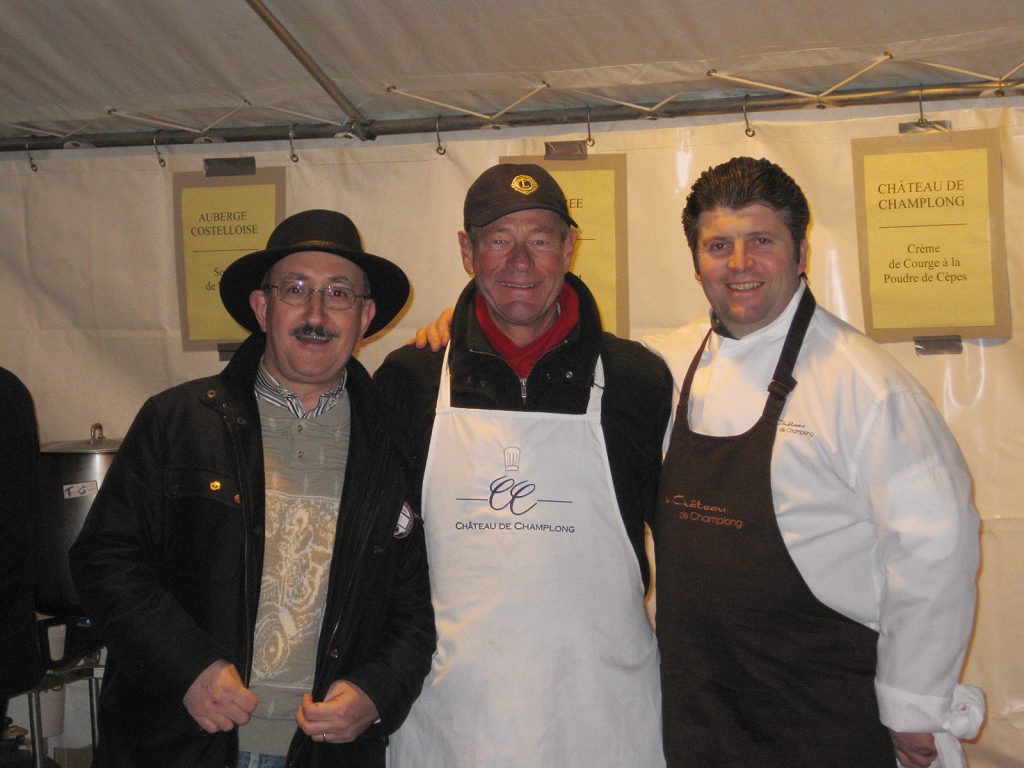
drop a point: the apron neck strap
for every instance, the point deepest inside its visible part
(782, 382)
(596, 390)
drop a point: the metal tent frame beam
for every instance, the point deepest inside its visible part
(618, 112)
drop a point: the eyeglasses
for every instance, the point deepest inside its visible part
(299, 292)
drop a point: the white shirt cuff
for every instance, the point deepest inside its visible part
(905, 712)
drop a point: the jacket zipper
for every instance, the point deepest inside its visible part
(522, 379)
(364, 542)
(246, 505)
(375, 482)
(231, 424)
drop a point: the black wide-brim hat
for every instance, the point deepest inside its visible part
(315, 230)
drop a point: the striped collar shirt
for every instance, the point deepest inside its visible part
(269, 389)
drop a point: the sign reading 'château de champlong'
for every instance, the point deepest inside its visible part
(930, 230)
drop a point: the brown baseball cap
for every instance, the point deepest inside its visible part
(509, 187)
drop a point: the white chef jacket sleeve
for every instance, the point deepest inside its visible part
(919, 490)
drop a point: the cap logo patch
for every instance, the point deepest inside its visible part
(524, 184)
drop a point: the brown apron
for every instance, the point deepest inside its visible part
(755, 670)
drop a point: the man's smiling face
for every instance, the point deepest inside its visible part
(519, 264)
(309, 345)
(749, 266)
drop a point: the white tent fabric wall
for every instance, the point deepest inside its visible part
(90, 310)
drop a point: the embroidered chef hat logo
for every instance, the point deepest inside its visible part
(512, 459)
(524, 184)
(403, 527)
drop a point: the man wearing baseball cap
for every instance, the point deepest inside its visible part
(537, 437)
(257, 577)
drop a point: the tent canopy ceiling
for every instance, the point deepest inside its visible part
(111, 72)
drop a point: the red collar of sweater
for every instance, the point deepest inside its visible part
(522, 359)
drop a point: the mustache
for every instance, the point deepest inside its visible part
(308, 331)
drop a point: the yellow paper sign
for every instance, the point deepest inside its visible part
(929, 247)
(220, 220)
(929, 255)
(595, 190)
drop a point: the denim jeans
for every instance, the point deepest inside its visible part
(254, 760)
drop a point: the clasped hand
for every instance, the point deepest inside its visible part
(219, 701)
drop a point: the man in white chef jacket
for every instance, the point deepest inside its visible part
(538, 438)
(817, 543)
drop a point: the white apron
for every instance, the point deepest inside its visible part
(545, 657)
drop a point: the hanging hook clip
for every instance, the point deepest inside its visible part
(31, 161)
(920, 105)
(750, 130)
(159, 157)
(437, 131)
(590, 138)
(291, 144)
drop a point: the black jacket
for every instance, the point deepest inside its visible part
(169, 562)
(635, 406)
(20, 663)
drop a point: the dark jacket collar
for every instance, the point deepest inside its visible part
(239, 375)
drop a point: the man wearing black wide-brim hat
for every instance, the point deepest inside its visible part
(258, 579)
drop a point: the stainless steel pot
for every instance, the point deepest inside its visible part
(70, 475)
